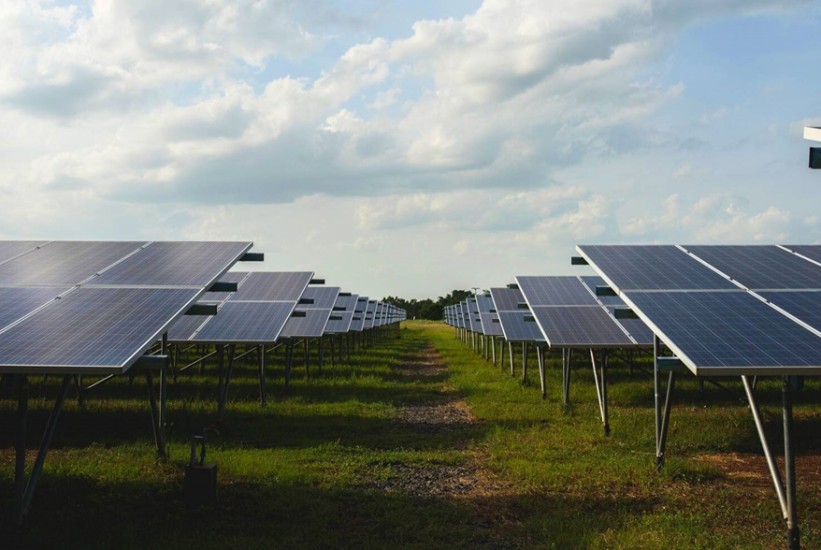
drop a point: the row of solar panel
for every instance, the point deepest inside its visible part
(561, 312)
(95, 307)
(724, 310)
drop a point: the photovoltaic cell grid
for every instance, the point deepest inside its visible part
(569, 315)
(358, 321)
(520, 326)
(761, 267)
(272, 297)
(648, 267)
(312, 324)
(11, 249)
(811, 251)
(92, 328)
(506, 299)
(344, 308)
(727, 333)
(474, 321)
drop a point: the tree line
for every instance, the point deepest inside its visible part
(427, 308)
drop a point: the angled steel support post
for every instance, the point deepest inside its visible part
(163, 389)
(601, 387)
(25, 489)
(261, 373)
(524, 362)
(289, 359)
(540, 360)
(662, 416)
(223, 397)
(493, 348)
(321, 352)
(775, 474)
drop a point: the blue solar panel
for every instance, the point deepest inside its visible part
(761, 267)
(175, 263)
(251, 322)
(593, 281)
(183, 328)
(491, 325)
(811, 251)
(520, 326)
(555, 291)
(358, 322)
(64, 262)
(636, 328)
(230, 277)
(587, 326)
(92, 330)
(803, 305)
(273, 286)
(729, 333)
(16, 302)
(11, 249)
(653, 267)
(324, 297)
(485, 303)
(312, 325)
(506, 299)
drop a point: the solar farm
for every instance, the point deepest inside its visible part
(159, 393)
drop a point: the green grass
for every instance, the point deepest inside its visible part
(305, 470)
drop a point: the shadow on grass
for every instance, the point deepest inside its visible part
(143, 514)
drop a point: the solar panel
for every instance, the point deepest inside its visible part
(175, 263)
(804, 305)
(484, 302)
(728, 333)
(636, 328)
(506, 299)
(324, 297)
(474, 321)
(16, 302)
(92, 330)
(761, 267)
(64, 262)
(341, 325)
(520, 326)
(273, 286)
(582, 326)
(555, 291)
(11, 249)
(811, 251)
(184, 328)
(251, 322)
(230, 277)
(312, 325)
(593, 281)
(358, 321)
(491, 325)
(652, 267)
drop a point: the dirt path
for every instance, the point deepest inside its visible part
(447, 414)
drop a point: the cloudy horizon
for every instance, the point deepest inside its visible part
(411, 150)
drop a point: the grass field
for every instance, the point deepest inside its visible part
(335, 463)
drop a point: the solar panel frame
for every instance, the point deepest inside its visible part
(580, 327)
(312, 325)
(245, 322)
(92, 330)
(516, 329)
(652, 267)
(506, 299)
(760, 266)
(693, 325)
(175, 263)
(17, 302)
(12, 249)
(555, 291)
(65, 263)
(273, 286)
(811, 251)
(804, 305)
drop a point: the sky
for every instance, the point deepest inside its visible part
(411, 148)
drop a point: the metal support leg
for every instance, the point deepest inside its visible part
(226, 382)
(261, 373)
(321, 353)
(493, 348)
(793, 532)
(25, 489)
(601, 387)
(567, 357)
(512, 365)
(524, 362)
(159, 435)
(289, 360)
(662, 419)
(540, 360)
